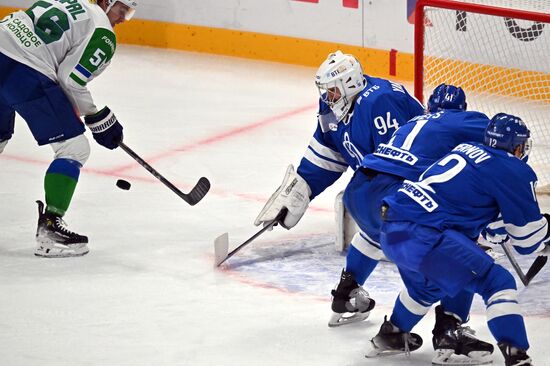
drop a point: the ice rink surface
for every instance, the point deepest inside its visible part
(147, 293)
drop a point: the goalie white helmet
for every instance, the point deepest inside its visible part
(339, 79)
(131, 4)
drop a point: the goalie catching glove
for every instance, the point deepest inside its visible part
(293, 194)
(106, 129)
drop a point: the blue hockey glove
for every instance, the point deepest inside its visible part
(106, 129)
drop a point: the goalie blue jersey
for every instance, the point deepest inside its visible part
(377, 112)
(425, 139)
(467, 189)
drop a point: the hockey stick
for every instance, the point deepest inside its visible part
(221, 243)
(535, 268)
(193, 197)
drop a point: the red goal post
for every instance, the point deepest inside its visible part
(498, 51)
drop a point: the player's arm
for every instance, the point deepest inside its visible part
(84, 63)
(321, 164)
(319, 168)
(527, 228)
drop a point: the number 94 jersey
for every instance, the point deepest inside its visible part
(466, 190)
(380, 108)
(69, 41)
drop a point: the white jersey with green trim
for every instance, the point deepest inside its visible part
(69, 41)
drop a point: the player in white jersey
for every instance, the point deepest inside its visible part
(48, 54)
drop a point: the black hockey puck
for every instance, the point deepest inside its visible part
(122, 184)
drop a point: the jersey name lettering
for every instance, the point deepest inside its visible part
(473, 152)
(74, 8)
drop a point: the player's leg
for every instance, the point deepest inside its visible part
(451, 340)
(7, 113)
(7, 118)
(406, 244)
(427, 251)
(362, 198)
(364, 250)
(350, 301)
(53, 237)
(52, 120)
(499, 291)
(412, 304)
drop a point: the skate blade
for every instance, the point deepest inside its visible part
(337, 319)
(221, 247)
(61, 251)
(449, 358)
(373, 351)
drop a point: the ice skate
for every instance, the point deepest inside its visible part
(350, 302)
(457, 345)
(514, 356)
(54, 240)
(390, 340)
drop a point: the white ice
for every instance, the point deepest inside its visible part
(147, 293)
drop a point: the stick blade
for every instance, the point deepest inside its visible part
(537, 265)
(198, 192)
(221, 247)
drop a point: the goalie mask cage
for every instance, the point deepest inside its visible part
(498, 51)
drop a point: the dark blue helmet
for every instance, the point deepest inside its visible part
(447, 96)
(506, 132)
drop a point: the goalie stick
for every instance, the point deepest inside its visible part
(535, 268)
(221, 243)
(193, 197)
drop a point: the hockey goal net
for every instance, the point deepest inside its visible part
(498, 51)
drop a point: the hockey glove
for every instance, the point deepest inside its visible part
(293, 194)
(106, 129)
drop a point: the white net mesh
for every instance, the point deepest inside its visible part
(502, 63)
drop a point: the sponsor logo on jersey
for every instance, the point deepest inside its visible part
(418, 195)
(22, 32)
(394, 153)
(109, 43)
(368, 92)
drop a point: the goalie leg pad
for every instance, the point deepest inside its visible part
(293, 194)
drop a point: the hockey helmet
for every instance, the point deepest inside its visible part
(446, 96)
(507, 132)
(131, 4)
(339, 79)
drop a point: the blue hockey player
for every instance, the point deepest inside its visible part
(357, 112)
(412, 149)
(430, 230)
(48, 54)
